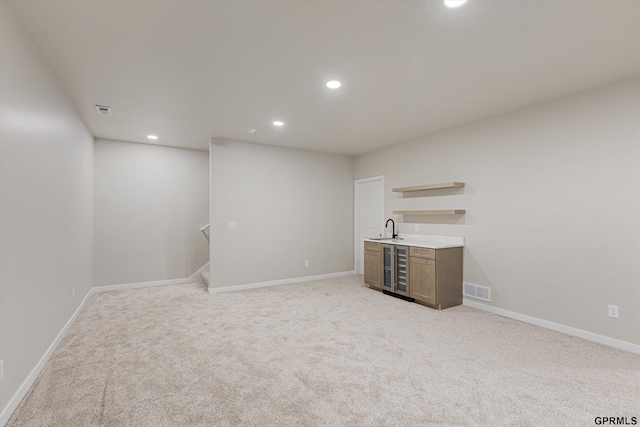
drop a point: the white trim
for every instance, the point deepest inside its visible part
(356, 215)
(139, 285)
(601, 339)
(28, 382)
(370, 179)
(26, 385)
(278, 282)
(31, 378)
(210, 241)
(196, 277)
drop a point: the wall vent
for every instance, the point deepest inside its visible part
(477, 291)
(101, 109)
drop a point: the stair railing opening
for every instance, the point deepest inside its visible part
(205, 231)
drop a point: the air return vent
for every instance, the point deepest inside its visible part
(477, 291)
(101, 109)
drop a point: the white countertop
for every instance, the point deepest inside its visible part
(424, 241)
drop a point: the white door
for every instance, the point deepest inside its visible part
(369, 211)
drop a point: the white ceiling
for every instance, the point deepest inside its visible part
(191, 70)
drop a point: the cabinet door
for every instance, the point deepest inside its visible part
(373, 269)
(422, 279)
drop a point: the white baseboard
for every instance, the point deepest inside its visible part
(196, 277)
(26, 385)
(601, 339)
(278, 282)
(139, 285)
(31, 378)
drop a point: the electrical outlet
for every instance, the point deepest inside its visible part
(73, 293)
(614, 311)
(233, 225)
(306, 263)
(417, 227)
(1, 369)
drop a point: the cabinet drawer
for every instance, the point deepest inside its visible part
(422, 252)
(370, 246)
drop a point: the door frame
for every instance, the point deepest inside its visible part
(356, 215)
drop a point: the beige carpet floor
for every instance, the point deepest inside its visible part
(322, 353)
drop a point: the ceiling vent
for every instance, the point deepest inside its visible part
(101, 109)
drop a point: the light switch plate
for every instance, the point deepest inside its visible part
(233, 225)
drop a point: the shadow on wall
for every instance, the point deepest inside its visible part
(438, 219)
(472, 267)
(432, 193)
(457, 219)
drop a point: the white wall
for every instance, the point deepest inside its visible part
(289, 205)
(46, 206)
(552, 199)
(150, 202)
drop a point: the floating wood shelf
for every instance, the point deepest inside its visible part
(429, 187)
(432, 212)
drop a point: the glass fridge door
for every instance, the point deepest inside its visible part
(388, 267)
(402, 270)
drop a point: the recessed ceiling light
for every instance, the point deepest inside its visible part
(454, 3)
(152, 137)
(251, 130)
(334, 84)
(278, 123)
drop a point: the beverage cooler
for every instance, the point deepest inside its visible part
(395, 269)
